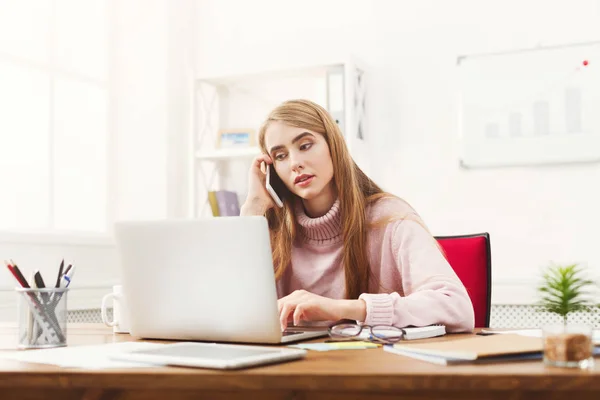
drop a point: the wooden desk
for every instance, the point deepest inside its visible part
(346, 374)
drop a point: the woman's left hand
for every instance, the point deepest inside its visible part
(306, 306)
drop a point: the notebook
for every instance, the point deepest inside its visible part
(472, 349)
(413, 333)
(534, 333)
(424, 332)
(456, 361)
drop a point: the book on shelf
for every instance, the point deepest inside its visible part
(224, 203)
(214, 206)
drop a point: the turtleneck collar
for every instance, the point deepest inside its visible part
(322, 230)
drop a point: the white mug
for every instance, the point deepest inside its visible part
(120, 322)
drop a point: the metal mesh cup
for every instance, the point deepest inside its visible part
(42, 318)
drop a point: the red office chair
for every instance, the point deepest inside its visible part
(470, 257)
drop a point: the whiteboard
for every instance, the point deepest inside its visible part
(530, 107)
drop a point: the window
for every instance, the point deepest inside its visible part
(53, 115)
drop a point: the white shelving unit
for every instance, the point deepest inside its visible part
(243, 101)
(227, 154)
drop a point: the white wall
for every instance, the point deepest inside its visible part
(150, 72)
(151, 66)
(534, 215)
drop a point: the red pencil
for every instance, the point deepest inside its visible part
(18, 276)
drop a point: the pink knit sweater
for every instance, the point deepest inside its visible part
(416, 285)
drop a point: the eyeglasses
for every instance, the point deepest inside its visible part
(378, 333)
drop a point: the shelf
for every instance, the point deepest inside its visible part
(301, 70)
(228, 154)
(243, 99)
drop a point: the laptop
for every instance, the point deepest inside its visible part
(202, 279)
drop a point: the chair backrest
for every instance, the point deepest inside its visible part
(470, 257)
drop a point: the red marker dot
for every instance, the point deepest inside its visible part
(585, 63)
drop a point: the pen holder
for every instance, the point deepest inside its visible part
(42, 319)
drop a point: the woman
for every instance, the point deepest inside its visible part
(342, 247)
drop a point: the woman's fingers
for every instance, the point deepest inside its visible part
(298, 312)
(261, 160)
(286, 310)
(293, 306)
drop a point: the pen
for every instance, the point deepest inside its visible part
(39, 281)
(60, 272)
(40, 284)
(65, 281)
(18, 275)
(67, 276)
(30, 319)
(14, 270)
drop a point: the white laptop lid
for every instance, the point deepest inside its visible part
(209, 279)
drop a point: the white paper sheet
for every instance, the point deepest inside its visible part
(86, 357)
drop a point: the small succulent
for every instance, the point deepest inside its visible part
(564, 289)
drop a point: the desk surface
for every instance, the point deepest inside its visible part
(344, 374)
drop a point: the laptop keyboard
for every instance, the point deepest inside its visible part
(288, 333)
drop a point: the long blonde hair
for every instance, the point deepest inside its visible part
(355, 190)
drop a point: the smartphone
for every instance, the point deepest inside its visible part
(275, 186)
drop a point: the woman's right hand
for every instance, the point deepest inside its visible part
(258, 200)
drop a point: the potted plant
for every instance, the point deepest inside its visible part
(564, 290)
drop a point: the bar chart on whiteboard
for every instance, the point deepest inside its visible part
(530, 106)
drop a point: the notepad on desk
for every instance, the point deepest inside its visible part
(473, 349)
(411, 333)
(424, 332)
